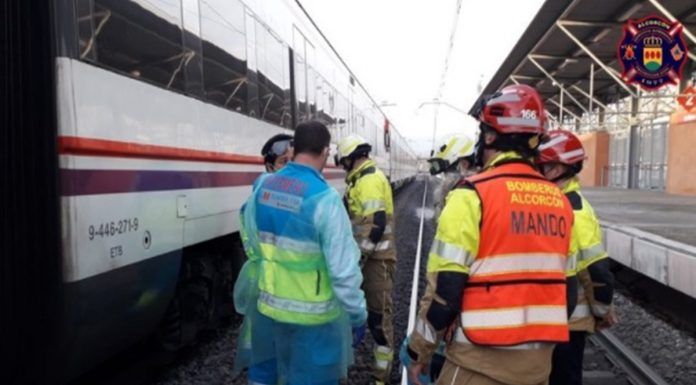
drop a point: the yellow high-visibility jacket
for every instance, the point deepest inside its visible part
(585, 249)
(367, 192)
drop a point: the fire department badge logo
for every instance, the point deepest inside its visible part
(652, 52)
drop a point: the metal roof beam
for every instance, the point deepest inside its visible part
(565, 110)
(590, 24)
(554, 57)
(606, 68)
(600, 24)
(673, 19)
(558, 84)
(561, 78)
(570, 58)
(587, 95)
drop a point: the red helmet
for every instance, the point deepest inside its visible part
(516, 109)
(561, 147)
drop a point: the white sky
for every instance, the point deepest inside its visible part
(397, 49)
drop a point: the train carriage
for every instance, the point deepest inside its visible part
(131, 136)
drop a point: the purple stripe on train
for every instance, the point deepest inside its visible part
(93, 182)
(90, 182)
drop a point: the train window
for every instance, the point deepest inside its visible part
(252, 67)
(224, 53)
(273, 77)
(141, 38)
(325, 102)
(311, 81)
(193, 47)
(300, 67)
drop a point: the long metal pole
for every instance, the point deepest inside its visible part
(591, 92)
(592, 85)
(560, 114)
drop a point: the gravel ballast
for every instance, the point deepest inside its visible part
(211, 362)
(670, 351)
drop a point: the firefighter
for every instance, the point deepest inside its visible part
(368, 198)
(308, 294)
(560, 159)
(498, 258)
(453, 160)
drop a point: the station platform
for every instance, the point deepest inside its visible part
(651, 232)
(670, 216)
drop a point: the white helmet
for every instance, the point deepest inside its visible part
(350, 147)
(453, 148)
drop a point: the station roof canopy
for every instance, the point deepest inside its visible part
(566, 37)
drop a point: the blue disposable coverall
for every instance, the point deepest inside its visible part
(296, 209)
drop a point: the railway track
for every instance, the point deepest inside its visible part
(210, 364)
(638, 372)
(633, 370)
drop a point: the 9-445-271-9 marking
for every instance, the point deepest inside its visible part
(113, 228)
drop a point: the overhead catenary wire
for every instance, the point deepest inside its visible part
(452, 38)
(445, 69)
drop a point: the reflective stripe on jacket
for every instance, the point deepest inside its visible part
(367, 192)
(516, 289)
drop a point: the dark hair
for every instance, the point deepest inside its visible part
(311, 137)
(520, 143)
(275, 138)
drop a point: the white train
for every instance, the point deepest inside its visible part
(153, 115)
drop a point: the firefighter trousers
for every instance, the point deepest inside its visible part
(567, 360)
(378, 282)
(453, 374)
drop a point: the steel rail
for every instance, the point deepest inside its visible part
(416, 278)
(638, 371)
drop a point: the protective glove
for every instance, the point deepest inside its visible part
(406, 361)
(358, 335)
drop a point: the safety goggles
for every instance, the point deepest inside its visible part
(437, 166)
(277, 149)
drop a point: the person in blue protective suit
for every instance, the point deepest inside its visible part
(307, 295)
(277, 152)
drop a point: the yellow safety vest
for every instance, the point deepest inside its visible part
(585, 249)
(367, 192)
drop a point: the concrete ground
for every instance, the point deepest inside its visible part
(670, 216)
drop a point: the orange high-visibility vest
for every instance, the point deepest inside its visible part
(516, 291)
